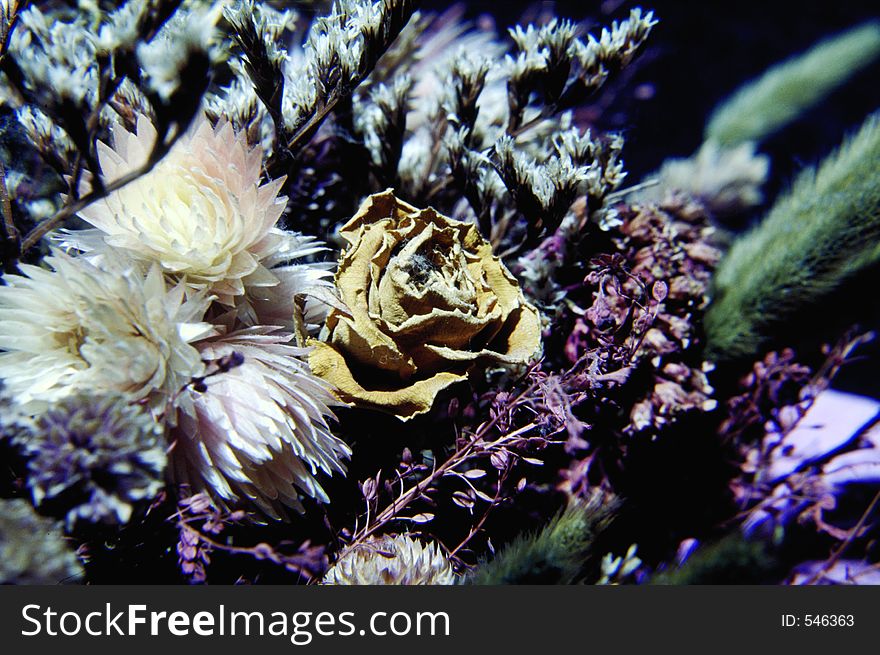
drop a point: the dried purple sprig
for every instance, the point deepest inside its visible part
(806, 453)
(200, 523)
(501, 449)
(94, 458)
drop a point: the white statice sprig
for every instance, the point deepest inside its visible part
(341, 49)
(382, 123)
(616, 47)
(259, 33)
(185, 45)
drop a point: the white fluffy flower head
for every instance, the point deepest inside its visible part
(200, 213)
(80, 328)
(392, 560)
(257, 430)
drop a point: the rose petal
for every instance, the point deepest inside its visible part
(414, 399)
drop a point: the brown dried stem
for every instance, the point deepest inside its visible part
(854, 532)
(11, 234)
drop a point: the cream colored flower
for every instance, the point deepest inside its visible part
(278, 304)
(392, 560)
(80, 328)
(200, 213)
(258, 428)
(427, 300)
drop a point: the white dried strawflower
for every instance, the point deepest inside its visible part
(312, 282)
(392, 560)
(200, 213)
(256, 429)
(81, 328)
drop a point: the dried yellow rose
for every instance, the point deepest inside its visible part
(426, 300)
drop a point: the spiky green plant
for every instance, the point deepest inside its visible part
(732, 560)
(818, 234)
(554, 555)
(784, 92)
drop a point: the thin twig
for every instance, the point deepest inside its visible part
(852, 534)
(401, 501)
(6, 206)
(478, 526)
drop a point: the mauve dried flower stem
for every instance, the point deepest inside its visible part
(475, 529)
(195, 546)
(462, 454)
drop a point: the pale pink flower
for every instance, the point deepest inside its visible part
(200, 213)
(258, 430)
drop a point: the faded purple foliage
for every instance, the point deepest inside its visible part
(842, 572)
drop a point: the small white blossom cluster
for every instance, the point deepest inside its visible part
(618, 44)
(506, 138)
(59, 54)
(542, 50)
(279, 86)
(382, 120)
(166, 57)
(392, 560)
(65, 60)
(340, 49)
(557, 55)
(579, 165)
(252, 101)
